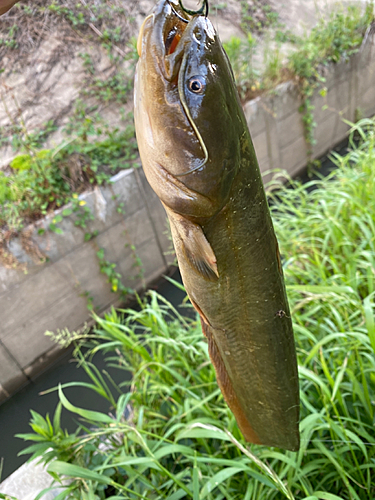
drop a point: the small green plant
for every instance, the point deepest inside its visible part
(76, 16)
(272, 72)
(89, 300)
(10, 39)
(335, 37)
(257, 15)
(331, 40)
(7, 497)
(283, 35)
(113, 277)
(44, 180)
(83, 214)
(115, 88)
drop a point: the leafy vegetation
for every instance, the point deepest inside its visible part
(331, 40)
(42, 180)
(170, 435)
(27, 24)
(335, 38)
(240, 54)
(257, 16)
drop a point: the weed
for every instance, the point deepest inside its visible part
(283, 35)
(115, 88)
(83, 214)
(10, 39)
(23, 140)
(272, 73)
(257, 16)
(330, 41)
(334, 38)
(29, 23)
(44, 180)
(113, 277)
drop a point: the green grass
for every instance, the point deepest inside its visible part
(335, 37)
(179, 440)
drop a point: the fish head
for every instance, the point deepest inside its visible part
(188, 115)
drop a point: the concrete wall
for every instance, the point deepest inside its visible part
(276, 124)
(50, 295)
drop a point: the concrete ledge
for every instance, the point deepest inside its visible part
(27, 482)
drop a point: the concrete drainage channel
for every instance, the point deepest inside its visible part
(54, 295)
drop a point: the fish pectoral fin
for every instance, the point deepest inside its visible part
(192, 244)
(227, 388)
(201, 256)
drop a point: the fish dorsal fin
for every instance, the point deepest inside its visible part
(191, 243)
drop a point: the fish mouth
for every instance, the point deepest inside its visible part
(168, 23)
(174, 28)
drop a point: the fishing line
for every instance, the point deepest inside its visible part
(190, 12)
(181, 82)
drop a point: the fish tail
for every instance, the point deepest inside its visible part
(226, 387)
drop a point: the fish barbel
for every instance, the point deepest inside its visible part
(198, 157)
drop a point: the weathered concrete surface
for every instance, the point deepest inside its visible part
(27, 482)
(53, 295)
(47, 85)
(301, 15)
(276, 124)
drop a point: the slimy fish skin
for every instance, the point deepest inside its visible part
(198, 157)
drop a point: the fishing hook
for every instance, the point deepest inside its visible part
(191, 12)
(177, 14)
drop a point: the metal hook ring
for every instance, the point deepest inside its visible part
(177, 14)
(196, 12)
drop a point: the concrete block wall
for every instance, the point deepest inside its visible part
(276, 124)
(51, 295)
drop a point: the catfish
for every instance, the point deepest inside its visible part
(198, 156)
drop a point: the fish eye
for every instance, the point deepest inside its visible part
(197, 84)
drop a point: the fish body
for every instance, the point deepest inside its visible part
(198, 156)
